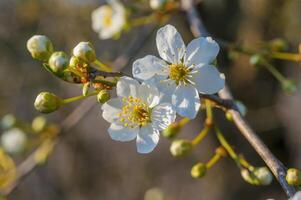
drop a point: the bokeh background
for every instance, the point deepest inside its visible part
(88, 165)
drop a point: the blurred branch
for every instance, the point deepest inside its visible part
(278, 169)
(31, 162)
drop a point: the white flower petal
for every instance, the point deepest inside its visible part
(149, 94)
(121, 133)
(186, 101)
(127, 86)
(170, 44)
(165, 87)
(208, 80)
(145, 68)
(111, 109)
(147, 139)
(201, 51)
(163, 115)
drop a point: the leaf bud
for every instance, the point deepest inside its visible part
(180, 147)
(85, 51)
(40, 47)
(198, 170)
(47, 102)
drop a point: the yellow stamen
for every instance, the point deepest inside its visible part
(179, 73)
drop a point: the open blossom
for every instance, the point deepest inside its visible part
(182, 73)
(137, 113)
(108, 20)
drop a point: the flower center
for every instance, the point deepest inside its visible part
(107, 17)
(135, 112)
(179, 73)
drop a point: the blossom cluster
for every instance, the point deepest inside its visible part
(169, 85)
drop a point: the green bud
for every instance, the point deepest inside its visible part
(263, 175)
(76, 62)
(256, 59)
(58, 62)
(85, 51)
(103, 96)
(40, 47)
(198, 170)
(229, 116)
(278, 44)
(8, 121)
(86, 87)
(39, 124)
(172, 130)
(293, 177)
(249, 177)
(47, 102)
(289, 86)
(180, 147)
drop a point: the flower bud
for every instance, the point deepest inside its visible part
(86, 87)
(293, 177)
(8, 121)
(198, 170)
(256, 59)
(172, 130)
(76, 62)
(263, 175)
(103, 96)
(278, 44)
(58, 62)
(47, 102)
(85, 51)
(39, 124)
(228, 116)
(13, 141)
(289, 86)
(40, 47)
(249, 177)
(180, 148)
(157, 4)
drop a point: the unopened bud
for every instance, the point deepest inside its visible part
(58, 62)
(40, 47)
(289, 86)
(47, 102)
(293, 177)
(76, 62)
(103, 96)
(85, 51)
(278, 44)
(180, 147)
(198, 170)
(249, 177)
(228, 116)
(172, 130)
(8, 121)
(39, 124)
(86, 87)
(157, 4)
(256, 59)
(13, 141)
(263, 175)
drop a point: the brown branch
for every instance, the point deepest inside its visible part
(278, 169)
(30, 163)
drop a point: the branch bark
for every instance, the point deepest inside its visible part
(198, 29)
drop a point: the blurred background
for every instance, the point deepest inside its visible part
(88, 165)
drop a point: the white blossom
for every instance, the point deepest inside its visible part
(109, 19)
(181, 73)
(13, 141)
(297, 196)
(137, 113)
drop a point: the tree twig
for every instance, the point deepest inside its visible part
(278, 169)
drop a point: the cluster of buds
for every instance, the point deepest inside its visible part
(78, 69)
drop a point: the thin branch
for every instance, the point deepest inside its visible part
(272, 162)
(30, 163)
